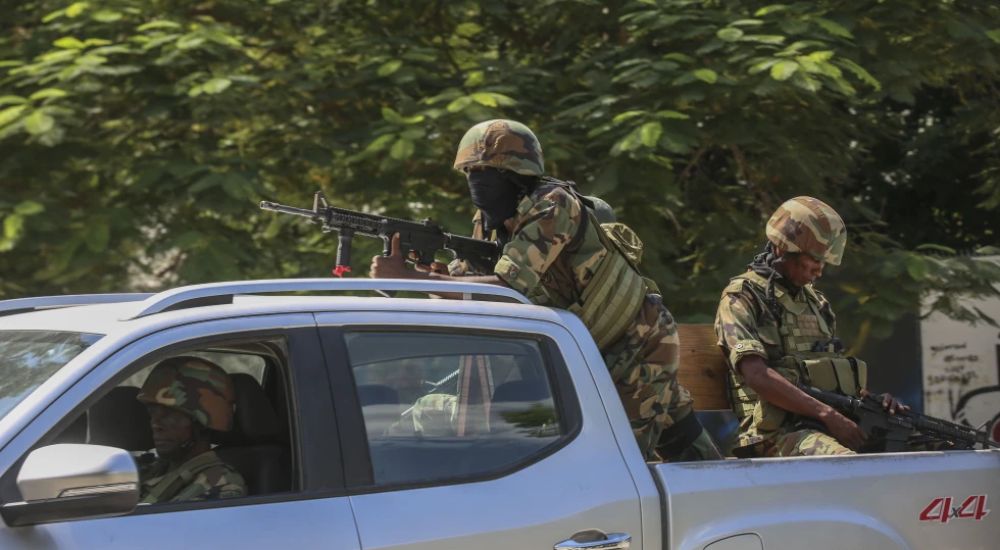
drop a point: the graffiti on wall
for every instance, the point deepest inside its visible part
(961, 369)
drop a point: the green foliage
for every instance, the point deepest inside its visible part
(137, 136)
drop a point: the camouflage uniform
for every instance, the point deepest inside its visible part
(204, 477)
(762, 316)
(557, 248)
(644, 361)
(203, 391)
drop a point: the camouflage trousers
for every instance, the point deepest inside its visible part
(803, 443)
(643, 364)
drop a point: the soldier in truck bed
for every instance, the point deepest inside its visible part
(777, 330)
(557, 254)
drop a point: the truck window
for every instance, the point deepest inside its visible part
(444, 406)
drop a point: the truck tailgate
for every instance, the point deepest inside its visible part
(930, 500)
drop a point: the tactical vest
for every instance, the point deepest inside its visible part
(800, 348)
(614, 295)
(171, 483)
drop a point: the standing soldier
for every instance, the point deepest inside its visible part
(557, 254)
(188, 398)
(777, 330)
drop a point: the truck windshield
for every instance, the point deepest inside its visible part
(29, 357)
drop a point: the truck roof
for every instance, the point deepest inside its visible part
(120, 313)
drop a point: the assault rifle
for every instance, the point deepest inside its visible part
(892, 432)
(419, 241)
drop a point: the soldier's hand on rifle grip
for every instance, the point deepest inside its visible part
(889, 403)
(434, 267)
(844, 429)
(392, 266)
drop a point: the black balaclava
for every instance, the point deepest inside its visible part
(496, 194)
(763, 264)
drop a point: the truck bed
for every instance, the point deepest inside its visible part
(931, 500)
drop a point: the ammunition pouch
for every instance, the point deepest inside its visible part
(846, 375)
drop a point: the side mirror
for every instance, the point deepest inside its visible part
(73, 481)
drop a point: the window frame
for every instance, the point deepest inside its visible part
(310, 451)
(359, 470)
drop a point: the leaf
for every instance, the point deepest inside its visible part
(390, 115)
(834, 28)
(916, 267)
(380, 143)
(746, 23)
(484, 99)
(774, 8)
(160, 24)
(492, 99)
(13, 225)
(69, 43)
(676, 115)
(38, 123)
(762, 66)
(459, 104)
(783, 70)
(774, 39)
(216, 85)
(994, 35)
(859, 72)
(679, 57)
(468, 29)
(706, 75)
(10, 114)
(11, 100)
(389, 67)
(106, 16)
(47, 93)
(940, 249)
(729, 34)
(627, 115)
(190, 41)
(402, 149)
(650, 133)
(75, 9)
(29, 208)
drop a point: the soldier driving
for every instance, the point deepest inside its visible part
(777, 330)
(188, 398)
(558, 254)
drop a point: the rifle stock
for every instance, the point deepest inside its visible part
(419, 241)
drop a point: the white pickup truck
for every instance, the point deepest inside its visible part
(403, 422)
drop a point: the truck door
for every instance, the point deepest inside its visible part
(283, 444)
(459, 434)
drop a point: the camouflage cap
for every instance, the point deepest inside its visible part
(501, 144)
(808, 225)
(194, 386)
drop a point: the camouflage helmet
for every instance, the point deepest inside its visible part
(501, 144)
(194, 386)
(808, 225)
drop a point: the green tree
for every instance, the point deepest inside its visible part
(136, 137)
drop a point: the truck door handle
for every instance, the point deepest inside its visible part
(595, 539)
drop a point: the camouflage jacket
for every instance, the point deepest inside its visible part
(545, 224)
(746, 325)
(203, 477)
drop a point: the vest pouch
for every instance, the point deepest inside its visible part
(625, 239)
(845, 375)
